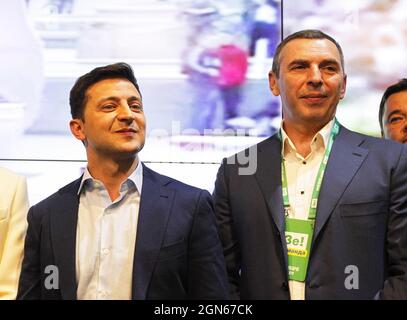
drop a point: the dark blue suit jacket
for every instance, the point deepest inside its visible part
(361, 221)
(178, 253)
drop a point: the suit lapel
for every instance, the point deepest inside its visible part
(155, 204)
(344, 161)
(268, 176)
(63, 238)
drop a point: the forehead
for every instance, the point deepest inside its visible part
(397, 101)
(310, 50)
(112, 87)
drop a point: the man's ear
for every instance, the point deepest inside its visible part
(76, 126)
(343, 90)
(273, 84)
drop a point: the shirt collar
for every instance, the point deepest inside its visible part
(136, 177)
(325, 133)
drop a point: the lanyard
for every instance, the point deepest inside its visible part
(299, 233)
(318, 181)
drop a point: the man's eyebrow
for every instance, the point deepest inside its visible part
(322, 63)
(116, 99)
(108, 98)
(397, 111)
(134, 98)
(298, 61)
(330, 61)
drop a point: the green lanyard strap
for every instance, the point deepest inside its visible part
(299, 233)
(320, 175)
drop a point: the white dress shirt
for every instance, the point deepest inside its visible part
(301, 174)
(106, 238)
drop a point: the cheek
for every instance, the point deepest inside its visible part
(392, 132)
(141, 122)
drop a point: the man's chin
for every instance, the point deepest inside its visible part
(321, 118)
(127, 152)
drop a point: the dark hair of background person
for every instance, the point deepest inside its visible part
(394, 88)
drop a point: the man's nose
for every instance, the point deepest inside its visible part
(125, 113)
(314, 76)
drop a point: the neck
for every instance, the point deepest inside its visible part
(301, 134)
(112, 172)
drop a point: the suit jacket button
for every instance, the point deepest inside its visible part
(284, 286)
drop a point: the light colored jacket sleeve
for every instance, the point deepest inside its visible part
(13, 227)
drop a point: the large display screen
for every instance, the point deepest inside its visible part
(202, 66)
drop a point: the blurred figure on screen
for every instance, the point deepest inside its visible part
(202, 66)
(232, 75)
(265, 26)
(217, 68)
(393, 112)
(13, 225)
(121, 231)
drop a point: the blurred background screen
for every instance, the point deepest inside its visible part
(373, 36)
(202, 67)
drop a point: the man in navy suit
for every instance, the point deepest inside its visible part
(322, 213)
(121, 231)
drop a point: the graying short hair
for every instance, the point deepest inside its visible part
(304, 34)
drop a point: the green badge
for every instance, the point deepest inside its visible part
(298, 236)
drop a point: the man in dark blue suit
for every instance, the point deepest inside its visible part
(121, 231)
(318, 211)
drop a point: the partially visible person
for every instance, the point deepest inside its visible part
(393, 112)
(13, 213)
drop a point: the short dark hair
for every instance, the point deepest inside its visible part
(394, 88)
(304, 34)
(77, 96)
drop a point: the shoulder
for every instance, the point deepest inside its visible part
(58, 200)
(7, 177)
(379, 145)
(248, 160)
(12, 186)
(168, 182)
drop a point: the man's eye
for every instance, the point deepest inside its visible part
(395, 119)
(330, 68)
(298, 67)
(136, 107)
(108, 107)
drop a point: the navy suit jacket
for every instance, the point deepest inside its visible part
(361, 221)
(178, 254)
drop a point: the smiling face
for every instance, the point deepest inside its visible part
(311, 81)
(395, 117)
(113, 123)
